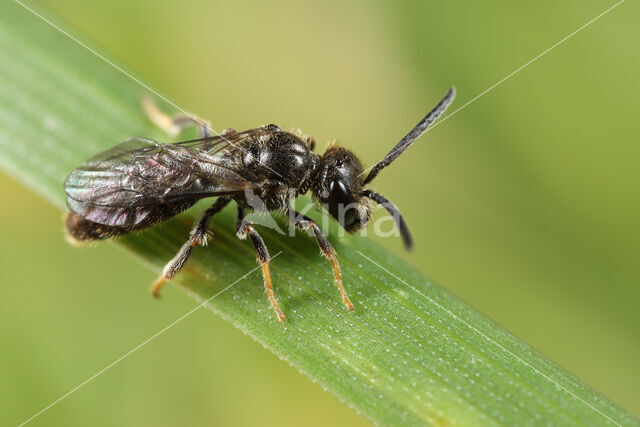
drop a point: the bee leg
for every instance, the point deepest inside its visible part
(244, 228)
(197, 236)
(175, 124)
(304, 223)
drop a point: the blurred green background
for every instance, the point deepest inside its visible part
(525, 204)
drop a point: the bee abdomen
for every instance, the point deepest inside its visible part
(82, 229)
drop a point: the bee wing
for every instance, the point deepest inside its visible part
(126, 184)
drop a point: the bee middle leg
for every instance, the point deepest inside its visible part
(244, 229)
(304, 222)
(197, 236)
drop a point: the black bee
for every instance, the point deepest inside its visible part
(141, 183)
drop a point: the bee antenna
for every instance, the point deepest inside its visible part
(395, 213)
(414, 134)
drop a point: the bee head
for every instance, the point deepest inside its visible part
(338, 186)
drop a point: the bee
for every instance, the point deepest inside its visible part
(141, 183)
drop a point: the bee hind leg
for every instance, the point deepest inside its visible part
(244, 229)
(197, 236)
(304, 223)
(173, 124)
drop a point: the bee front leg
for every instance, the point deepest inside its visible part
(244, 229)
(197, 236)
(304, 222)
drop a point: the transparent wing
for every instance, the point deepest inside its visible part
(125, 184)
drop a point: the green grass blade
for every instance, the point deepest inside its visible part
(409, 354)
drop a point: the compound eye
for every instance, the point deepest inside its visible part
(337, 192)
(342, 204)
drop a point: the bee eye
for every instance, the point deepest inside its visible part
(342, 204)
(342, 161)
(337, 192)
